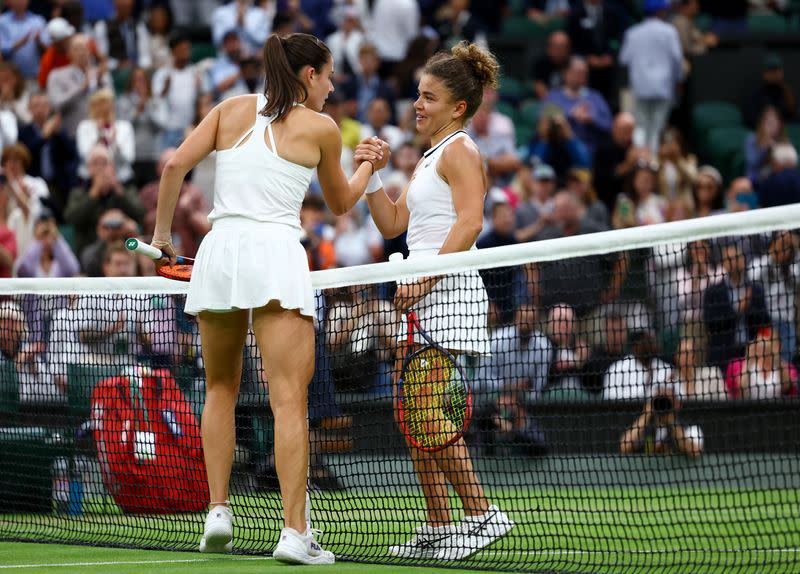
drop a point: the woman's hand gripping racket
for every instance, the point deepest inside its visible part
(180, 271)
(435, 400)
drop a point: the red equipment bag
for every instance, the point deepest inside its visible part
(148, 444)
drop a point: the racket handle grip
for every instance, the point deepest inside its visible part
(133, 244)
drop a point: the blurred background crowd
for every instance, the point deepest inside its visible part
(596, 125)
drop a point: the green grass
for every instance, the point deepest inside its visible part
(593, 529)
(57, 558)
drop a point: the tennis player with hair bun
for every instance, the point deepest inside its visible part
(442, 209)
(252, 267)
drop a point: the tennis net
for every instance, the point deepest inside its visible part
(634, 406)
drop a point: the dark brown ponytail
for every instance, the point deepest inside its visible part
(284, 57)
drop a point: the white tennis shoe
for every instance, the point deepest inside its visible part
(296, 548)
(427, 541)
(218, 532)
(475, 533)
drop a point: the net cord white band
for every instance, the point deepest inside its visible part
(733, 224)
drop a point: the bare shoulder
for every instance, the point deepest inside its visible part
(316, 121)
(237, 105)
(462, 151)
(320, 127)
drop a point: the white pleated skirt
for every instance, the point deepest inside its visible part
(244, 264)
(455, 312)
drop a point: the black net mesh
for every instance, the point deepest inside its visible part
(632, 412)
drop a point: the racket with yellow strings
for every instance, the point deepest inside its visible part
(180, 271)
(434, 397)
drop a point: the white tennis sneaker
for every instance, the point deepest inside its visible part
(296, 548)
(218, 532)
(427, 541)
(475, 533)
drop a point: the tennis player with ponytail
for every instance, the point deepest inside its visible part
(442, 210)
(252, 267)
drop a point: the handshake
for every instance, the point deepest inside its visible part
(375, 151)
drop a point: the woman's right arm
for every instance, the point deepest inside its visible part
(340, 194)
(200, 142)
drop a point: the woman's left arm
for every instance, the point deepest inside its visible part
(461, 166)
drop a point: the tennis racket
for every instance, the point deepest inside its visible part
(181, 271)
(435, 399)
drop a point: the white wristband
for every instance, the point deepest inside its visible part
(374, 183)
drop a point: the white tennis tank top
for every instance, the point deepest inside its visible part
(253, 181)
(430, 201)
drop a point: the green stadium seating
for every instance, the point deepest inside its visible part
(709, 115)
(560, 393)
(794, 135)
(517, 7)
(9, 387)
(767, 23)
(203, 50)
(703, 22)
(528, 113)
(723, 145)
(524, 134)
(507, 109)
(514, 90)
(120, 78)
(522, 26)
(81, 380)
(67, 231)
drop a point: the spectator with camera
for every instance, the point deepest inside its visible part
(556, 145)
(657, 429)
(113, 226)
(586, 109)
(102, 191)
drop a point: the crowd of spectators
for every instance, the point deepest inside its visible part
(95, 95)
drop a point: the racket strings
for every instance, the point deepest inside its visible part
(435, 399)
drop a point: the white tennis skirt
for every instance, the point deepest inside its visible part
(454, 313)
(244, 264)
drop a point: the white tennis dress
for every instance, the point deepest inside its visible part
(253, 255)
(455, 312)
